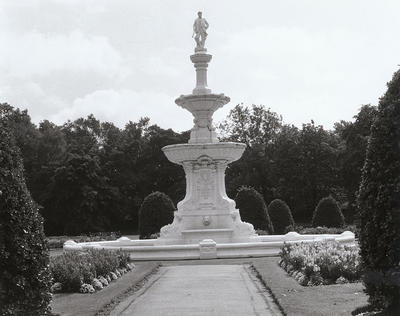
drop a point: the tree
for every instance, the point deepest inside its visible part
(281, 216)
(24, 258)
(318, 152)
(156, 211)
(354, 137)
(252, 209)
(378, 204)
(328, 213)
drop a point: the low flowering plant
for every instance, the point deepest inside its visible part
(324, 262)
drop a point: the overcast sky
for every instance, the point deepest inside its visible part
(125, 59)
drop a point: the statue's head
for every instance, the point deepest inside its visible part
(199, 14)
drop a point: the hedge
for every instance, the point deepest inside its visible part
(379, 204)
(328, 213)
(25, 278)
(281, 216)
(252, 209)
(156, 211)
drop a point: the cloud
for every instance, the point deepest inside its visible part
(121, 106)
(33, 53)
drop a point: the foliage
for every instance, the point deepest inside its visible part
(157, 210)
(321, 262)
(25, 277)
(107, 171)
(355, 137)
(299, 166)
(252, 209)
(328, 213)
(378, 204)
(73, 269)
(281, 216)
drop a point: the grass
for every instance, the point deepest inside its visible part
(295, 299)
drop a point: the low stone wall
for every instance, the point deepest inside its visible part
(259, 246)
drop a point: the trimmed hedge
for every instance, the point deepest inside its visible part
(328, 213)
(379, 204)
(281, 216)
(252, 209)
(25, 278)
(156, 211)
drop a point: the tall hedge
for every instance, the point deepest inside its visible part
(156, 211)
(252, 209)
(328, 213)
(281, 216)
(379, 204)
(24, 273)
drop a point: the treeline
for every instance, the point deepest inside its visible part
(90, 176)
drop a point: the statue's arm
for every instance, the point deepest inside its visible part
(206, 23)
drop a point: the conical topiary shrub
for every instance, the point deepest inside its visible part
(156, 211)
(252, 209)
(24, 273)
(328, 213)
(379, 204)
(281, 216)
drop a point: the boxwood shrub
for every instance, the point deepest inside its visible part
(379, 204)
(252, 209)
(24, 274)
(281, 216)
(156, 211)
(328, 213)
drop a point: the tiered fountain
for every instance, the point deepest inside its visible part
(206, 224)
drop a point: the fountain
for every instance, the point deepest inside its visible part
(206, 224)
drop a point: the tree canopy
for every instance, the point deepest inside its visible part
(94, 175)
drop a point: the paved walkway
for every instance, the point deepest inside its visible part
(200, 290)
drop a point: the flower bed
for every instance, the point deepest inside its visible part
(58, 241)
(326, 262)
(87, 272)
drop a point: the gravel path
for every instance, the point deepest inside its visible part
(200, 290)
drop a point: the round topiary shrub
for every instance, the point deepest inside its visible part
(328, 213)
(156, 211)
(252, 209)
(281, 216)
(379, 205)
(25, 279)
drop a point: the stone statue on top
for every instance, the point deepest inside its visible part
(200, 27)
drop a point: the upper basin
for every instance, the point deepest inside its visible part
(180, 153)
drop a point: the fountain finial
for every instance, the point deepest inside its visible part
(200, 27)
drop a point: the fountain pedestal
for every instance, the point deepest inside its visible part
(206, 212)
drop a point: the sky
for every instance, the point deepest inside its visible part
(126, 59)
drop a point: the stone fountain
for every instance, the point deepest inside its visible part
(206, 212)
(206, 224)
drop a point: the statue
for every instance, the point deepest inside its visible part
(200, 27)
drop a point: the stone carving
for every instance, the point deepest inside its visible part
(200, 27)
(206, 220)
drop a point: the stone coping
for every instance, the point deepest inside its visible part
(258, 246)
